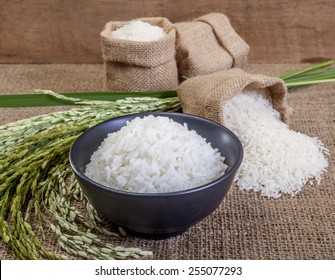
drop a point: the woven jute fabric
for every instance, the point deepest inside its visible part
(139, 66)
(208, 44)
(246, 225)
(204, 95)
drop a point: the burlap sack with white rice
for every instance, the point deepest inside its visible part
(207, 45)
(139, 66)
(204, 95)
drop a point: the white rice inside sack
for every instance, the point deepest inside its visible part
(155, 154)
(277, 159)
(139, 31)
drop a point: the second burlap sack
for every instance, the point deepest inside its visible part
(204, 95)
(139, 66)
(208, 44)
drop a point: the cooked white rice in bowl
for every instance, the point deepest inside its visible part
(155, 154)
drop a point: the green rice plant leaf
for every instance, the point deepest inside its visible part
(299, 72)
(47, 99)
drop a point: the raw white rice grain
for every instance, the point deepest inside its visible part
(277, 160)
(155, 154)
(139, 31)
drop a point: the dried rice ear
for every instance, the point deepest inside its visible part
(207, 45)
(139, 66)
(204, 95)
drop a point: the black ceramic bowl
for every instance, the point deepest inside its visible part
(157, 213)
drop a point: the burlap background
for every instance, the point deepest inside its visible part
(139, 66)
(245, 226)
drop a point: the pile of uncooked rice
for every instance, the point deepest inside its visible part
(277, 159)
(139, 31)
(155, 154)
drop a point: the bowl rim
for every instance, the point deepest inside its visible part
(231, 171)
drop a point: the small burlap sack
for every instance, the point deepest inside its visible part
(139, 66)
(204, 95)
(207, 45)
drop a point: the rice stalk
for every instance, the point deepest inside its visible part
(37, 184)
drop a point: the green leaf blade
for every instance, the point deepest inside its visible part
(38, 100)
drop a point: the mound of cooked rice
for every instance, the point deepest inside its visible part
(155, 154)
